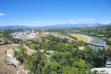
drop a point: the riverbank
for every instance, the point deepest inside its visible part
(83, 38)
(90, 39)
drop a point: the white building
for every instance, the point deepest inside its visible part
(102, 70)
(106, 70)
(81, 48)
(25, 35)
(108, 63)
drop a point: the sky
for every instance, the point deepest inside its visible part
(50, 12)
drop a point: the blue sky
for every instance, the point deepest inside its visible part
(40, 12)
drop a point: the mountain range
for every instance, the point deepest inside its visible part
(81, 25)
(57, 26)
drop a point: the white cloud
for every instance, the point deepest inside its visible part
(106, 22)
(2, 14)
(86, 20)
(72, 22)
(38, 23)
(34, 23)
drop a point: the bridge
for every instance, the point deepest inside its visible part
(99, 45)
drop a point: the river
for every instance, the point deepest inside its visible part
(100, 42)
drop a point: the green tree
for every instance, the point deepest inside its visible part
(52, 68)
(37, 62)
(70, 70)
(20, 54)
(81, 65)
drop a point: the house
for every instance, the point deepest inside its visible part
(101, 70)
(108, 63)
(81, 47)
(25, 35)
(106, 70)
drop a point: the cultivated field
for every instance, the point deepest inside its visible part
(80, 37)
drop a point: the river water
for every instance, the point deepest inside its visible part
(100, 42)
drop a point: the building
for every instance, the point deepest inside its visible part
(108, 63)
(81, 47)
(102, 70)
(25, 35)
(106, 70)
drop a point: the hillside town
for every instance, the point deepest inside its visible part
(25, 35)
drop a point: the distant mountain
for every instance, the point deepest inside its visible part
(14, 27)
(58, 26)
(74, 25)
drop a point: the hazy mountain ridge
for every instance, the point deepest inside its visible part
(74, 25)
(14, 27)
(55, 26)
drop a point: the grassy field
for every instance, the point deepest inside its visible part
(80, 37)
(95, 41)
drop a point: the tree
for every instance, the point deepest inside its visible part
(52, 68)
(20, 54)
(70, 70)
(81, 65)
(37, 62)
